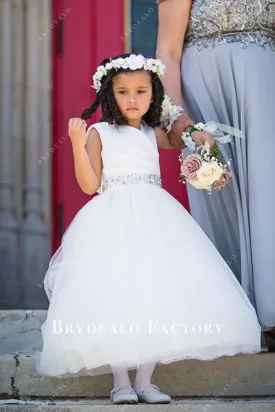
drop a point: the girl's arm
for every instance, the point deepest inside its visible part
(87, 160)
(164, 141)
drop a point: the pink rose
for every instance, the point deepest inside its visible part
(190, 166)
(223, 180)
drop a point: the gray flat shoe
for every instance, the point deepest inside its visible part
(123, 394)
(151, 394)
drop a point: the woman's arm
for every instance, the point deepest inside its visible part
(173, 18)
(165, 141)
(87, 160)
(173, 21)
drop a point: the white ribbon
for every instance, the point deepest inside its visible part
(189, 142)
(172, 118)
(217, 130)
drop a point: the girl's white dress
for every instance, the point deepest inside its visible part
(135, 279)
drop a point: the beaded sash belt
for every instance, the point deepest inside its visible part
(131, 179)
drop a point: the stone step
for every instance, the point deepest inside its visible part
(20, 338)
(181, 405)
(242, 375)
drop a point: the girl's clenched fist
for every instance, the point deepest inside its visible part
(77, 131)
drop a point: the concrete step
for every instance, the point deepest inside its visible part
(247, 375)
(181, 405)
(20, 338)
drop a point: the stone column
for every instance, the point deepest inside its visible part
(10, 290)
(33, 230)
(45, 122)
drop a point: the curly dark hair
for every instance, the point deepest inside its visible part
(110, 109)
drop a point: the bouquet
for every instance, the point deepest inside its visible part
(206, 169)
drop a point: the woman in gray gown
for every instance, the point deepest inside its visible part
(220, 56)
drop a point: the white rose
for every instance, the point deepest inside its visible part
(141, 58)
(119, 61)
(161, 68)
(109, 66)
(200, 125)
(198, 185)
(150, 64)
(115, 64)
(209, 173)
(135, 62)
(165, 110)
(166, 103)
(125, 64)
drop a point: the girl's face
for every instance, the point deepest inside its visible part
(133, 93)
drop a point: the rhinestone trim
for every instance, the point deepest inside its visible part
(214, 22)
(131, 179)
(259, 38)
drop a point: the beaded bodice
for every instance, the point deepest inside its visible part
(214, 22)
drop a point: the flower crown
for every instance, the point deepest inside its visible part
(133, 62)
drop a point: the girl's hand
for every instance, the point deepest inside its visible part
(77, 131)
(201, 137)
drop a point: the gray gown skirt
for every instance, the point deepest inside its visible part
(236, 86)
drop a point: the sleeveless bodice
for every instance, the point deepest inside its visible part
(215, 22)
(128, 153)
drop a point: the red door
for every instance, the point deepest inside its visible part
(87, 32)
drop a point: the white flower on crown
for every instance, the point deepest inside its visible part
(119, 62)
(97, 76)
(133, 62)
(109, 66)
(125, 64)
(97, 84)
(156, 66)
(136, 62)
(150, 65)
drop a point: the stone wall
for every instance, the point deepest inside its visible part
(25, 136)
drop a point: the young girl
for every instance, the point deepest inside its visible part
(135, 282)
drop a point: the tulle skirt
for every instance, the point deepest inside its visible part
(136, 280)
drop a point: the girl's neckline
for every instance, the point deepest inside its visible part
(142, 126)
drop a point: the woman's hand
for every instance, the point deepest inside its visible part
(200, 138)
(183, 123)
(77, 131)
